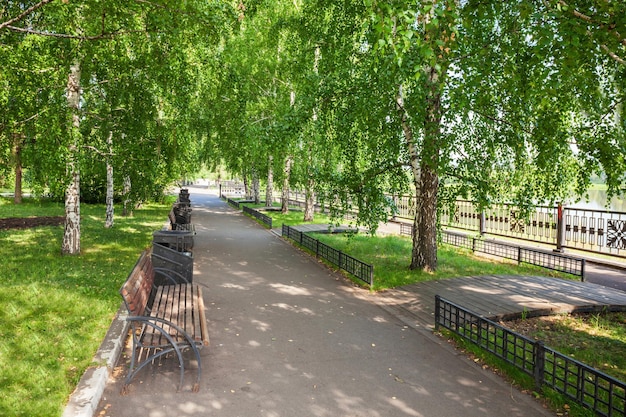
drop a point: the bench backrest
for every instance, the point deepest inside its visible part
(138, 288)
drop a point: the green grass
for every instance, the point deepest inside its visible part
(391, 257)
(30, 207)
(596, 339)
(554, 400)
(56, 309)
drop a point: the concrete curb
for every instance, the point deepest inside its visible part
(86, 397)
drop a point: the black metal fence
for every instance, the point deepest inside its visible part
(263, 218)
(233, 203)
(588, 386)
(361, 270)
(533, 256)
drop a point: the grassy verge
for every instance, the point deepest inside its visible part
(391, 257)
(56, 309)
(596, 339)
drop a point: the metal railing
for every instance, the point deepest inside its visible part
(263, 218)
(579, 382)
(596, 231)
(588, 230)
(360, 269)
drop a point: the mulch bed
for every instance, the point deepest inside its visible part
(30, 222)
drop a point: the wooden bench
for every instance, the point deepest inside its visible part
(163, 319)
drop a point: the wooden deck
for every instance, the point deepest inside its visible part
(502, 297)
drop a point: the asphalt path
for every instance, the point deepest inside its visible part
(291, 338)
(607, 275)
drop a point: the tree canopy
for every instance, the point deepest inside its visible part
(518, 101)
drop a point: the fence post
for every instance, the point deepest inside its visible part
(560, 229)
(582, 270)
(482, 227)
(437, 314)
(340, 256)
(539, 354)
(519, 255)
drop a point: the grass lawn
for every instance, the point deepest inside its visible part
(391, 257)
(55, 310)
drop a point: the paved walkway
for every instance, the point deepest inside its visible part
(290, 338)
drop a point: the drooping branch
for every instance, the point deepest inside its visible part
(98, 151)
(105, 35)
(609, 28)
(503, 121)
(613, 55)
(376, 171)
(25, 13)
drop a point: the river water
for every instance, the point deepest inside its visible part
(597, 201)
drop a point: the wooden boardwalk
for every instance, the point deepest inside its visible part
(502, 297)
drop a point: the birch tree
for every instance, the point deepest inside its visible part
(497, 101)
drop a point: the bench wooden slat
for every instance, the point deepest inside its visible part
(204, 330)
(186, 316)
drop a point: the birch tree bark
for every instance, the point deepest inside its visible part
(71, 235)
(127, 186)
(309, 200)
(269, 188)
(17, 155)
(256, 187)
(284, 199)
(424, 253)
(108, 223)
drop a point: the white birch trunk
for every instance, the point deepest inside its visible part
(309, 200)
(71, 235)
(284, 198)
(108, 223)
(127, 186)
(269, 189)
(256, 186)
(17, 195)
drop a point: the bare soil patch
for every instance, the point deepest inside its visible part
(30, 222)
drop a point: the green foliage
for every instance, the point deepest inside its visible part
(144, 107)
(518, 101)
